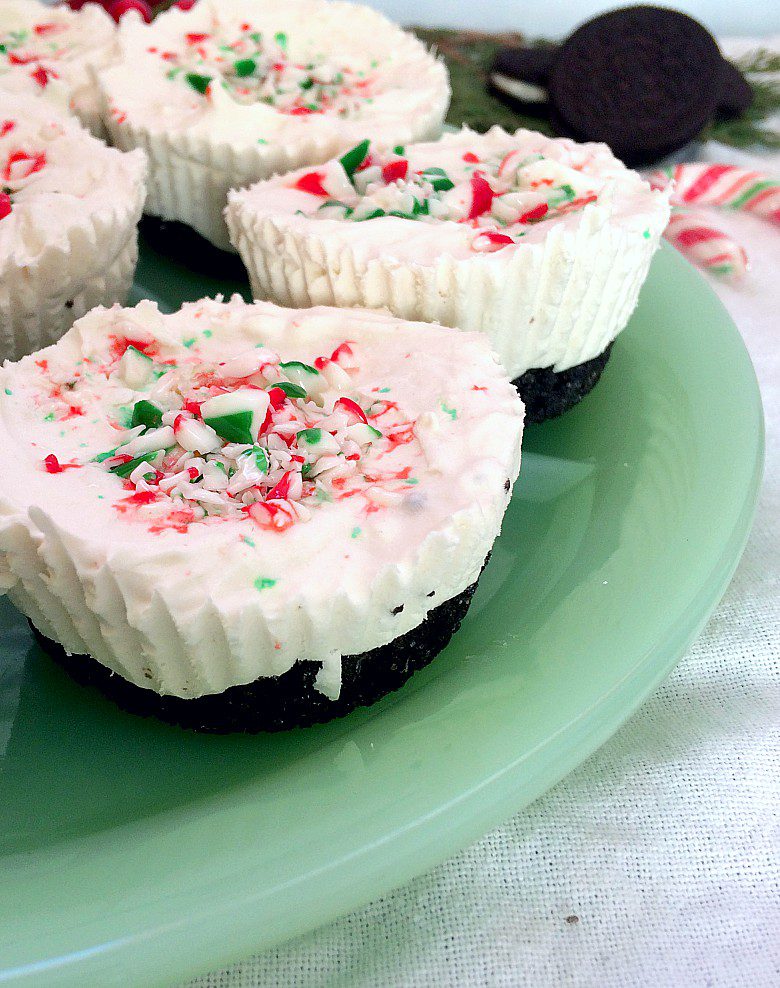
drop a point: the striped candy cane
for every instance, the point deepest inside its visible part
(722, 185)
(702, 244)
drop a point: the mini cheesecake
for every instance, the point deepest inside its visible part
(241, 517)
(233, 91)
(51, 52)
(69, 208)
(541, 244)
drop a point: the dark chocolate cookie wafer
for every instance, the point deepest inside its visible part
(277, 703)
(645, 80)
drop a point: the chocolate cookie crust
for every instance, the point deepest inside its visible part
(547, 393)
(280, 702)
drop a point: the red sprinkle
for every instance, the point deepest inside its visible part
(35, 162)
(5, 205)
(481, 196)
(277, 397)
(53, 465)
(352, 408)
(342, 350)
(43, 29)
(321, 362)
(195, 38)
(141, 497)
(42, 76)
(282, 489)
(395, 171)
(312, 182)
(472, 158)
(537, 213)
(6, 127)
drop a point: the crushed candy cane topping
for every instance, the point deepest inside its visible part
(254, 437)
(39, 49)
(19, 164)
(254, 67)
(499, 196)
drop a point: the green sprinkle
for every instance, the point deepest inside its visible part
(412, 480)
(452, 412)
(281, 39)
(49, 417)
(311, 437)
(8, 391)
(439, 179)
(264, 583)
(322, 495)
(207, 334)
(298, 365)
(100, 497)
(646, 234)
(200, 83)
(352, 160)
(147, 414)
(291, 390)
(189, 343)
(125, 469)
(247, 541)
(399, 149)
(261, 140)
(355, 532)
(383, 391)
(244, 67)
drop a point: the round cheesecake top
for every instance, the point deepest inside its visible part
(232, 456)
(57, 182)
(245, 75)
(49, 51)
(464, 195)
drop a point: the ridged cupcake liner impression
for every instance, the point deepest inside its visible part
(551, 291)
(303, 81)
(188, 594)
(52, 52)
(68, 232)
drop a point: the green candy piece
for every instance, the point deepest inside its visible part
(147, 414)
(352, 160)
(234, 428)
(309, 437)
(291, 390)
(375, 215)
(104, 456)
(299, 366)
(125, 469)
(260, 457)
(420, 208)
(200, 83)
(439, 179)
(244, 67)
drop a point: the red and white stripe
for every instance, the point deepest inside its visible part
(722, 185)
(704, 245)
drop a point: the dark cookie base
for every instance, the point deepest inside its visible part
(280, 702)
(547, 394)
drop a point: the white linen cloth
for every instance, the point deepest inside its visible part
(657, 862)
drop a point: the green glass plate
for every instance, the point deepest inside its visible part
(132, 850)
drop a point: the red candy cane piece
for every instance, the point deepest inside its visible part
(705, 246)
(5, 205)
(351, 408)
(395, 171)
(21, 165)
(311, 182)
(489, 241)
(482, 196)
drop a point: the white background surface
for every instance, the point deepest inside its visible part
(556, 18)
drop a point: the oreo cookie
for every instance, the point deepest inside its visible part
(644, 80)
(277, 703)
